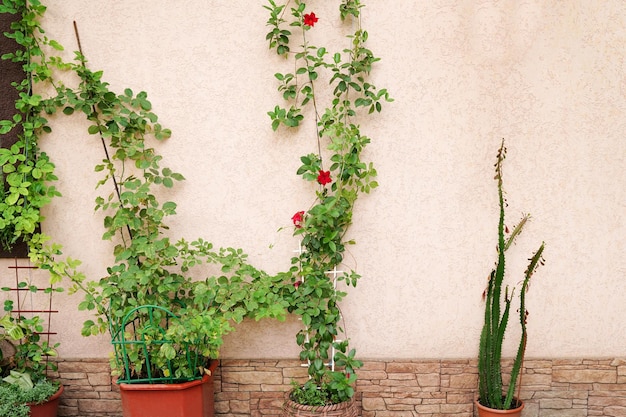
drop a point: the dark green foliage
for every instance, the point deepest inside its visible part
(27, 172)
(341, 175)
(149, 268)
(13, 399)
(496, 320)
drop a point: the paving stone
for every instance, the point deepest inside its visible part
(371, 404)
(97, 406)
(240, 407)
(413, 367)
(271, 403)
(369, 375)
(615, 411)
(401, 388)
(421, 409)
(607, 401)
(530, 410)
(563, 413)
(464, 381)
(253, 377)
(562, 394)
(584, 375)
(99, 378)
(555, 403)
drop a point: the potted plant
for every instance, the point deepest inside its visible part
(25, 389)
(166, 322)
(493, 398)
(339, 175)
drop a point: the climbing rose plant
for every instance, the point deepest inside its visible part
(338, 174)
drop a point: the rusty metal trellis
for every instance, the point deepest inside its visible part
(21, 303)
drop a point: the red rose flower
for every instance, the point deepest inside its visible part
(310, 19)
(297, 284)
(324, 177)
(297, 219)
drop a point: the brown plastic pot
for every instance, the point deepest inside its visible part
(188, 399)
(491, 412)
(47, 409)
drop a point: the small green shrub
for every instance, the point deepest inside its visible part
(309, 394)
(13, 399)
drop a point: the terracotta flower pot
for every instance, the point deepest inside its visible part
(47, 409)
(344, 409)
(188, 399)
(491, 412)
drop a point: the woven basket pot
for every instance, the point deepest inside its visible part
(344, 409)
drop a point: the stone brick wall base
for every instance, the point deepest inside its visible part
(401, 388)
(89, 389)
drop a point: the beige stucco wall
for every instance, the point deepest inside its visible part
(548, 76)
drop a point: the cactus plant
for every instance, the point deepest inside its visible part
(496, 318)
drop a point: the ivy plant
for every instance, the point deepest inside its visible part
(28, 173)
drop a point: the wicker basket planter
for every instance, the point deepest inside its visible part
(345, 409)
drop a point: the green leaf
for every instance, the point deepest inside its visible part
(169, 206)
(168, 351)
(56, 45)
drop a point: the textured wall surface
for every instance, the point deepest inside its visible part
(400, 388)
(548, 76)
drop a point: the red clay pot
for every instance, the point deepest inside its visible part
(47, 409)
(491, 412)
(188, 399)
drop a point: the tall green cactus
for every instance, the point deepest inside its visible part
(492, 335)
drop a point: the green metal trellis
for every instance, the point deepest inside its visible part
(139, 338)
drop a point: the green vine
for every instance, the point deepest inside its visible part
(149, 269)
(27, 171)
(341, 176)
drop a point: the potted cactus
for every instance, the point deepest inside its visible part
(493, 400)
